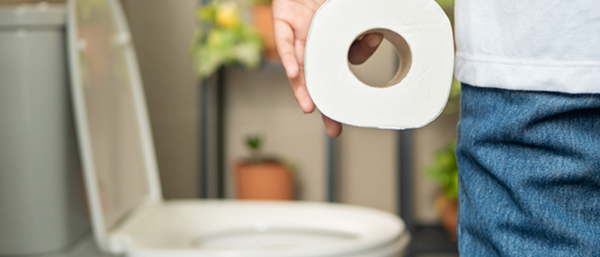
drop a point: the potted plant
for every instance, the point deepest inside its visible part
(263, 22)
(444, 171)
(223, 39)
(262, 178)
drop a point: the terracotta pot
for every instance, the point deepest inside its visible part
(449, 215)
(263, 22)
(264, 181)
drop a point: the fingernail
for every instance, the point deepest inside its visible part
(374, 41)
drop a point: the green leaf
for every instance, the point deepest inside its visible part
(253, 142)
(206, 13)
(248, 55)
(207, 62)
(263, 1)
(445, 3)
(444, 170)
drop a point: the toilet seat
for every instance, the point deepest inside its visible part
(127, 211)
(260, 229)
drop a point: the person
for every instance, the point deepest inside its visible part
(528, 148)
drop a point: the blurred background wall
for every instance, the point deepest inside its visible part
(262, 101)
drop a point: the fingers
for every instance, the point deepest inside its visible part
(334, 128)
(284, 42)
(288, 49)
(363, 48)
(301, 93)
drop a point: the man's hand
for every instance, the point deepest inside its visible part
(291, 22)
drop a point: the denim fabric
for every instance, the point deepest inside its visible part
(529, 165)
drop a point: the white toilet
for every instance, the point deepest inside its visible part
(128, 213)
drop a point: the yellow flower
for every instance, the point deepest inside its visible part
(227, 15)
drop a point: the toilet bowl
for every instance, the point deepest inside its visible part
(236, 228)
(127, 211)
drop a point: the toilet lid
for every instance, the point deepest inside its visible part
(112, 124)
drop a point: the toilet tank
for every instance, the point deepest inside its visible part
(42, 206)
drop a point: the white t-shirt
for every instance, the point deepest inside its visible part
(544, 45)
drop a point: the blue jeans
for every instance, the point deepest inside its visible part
(529, 165)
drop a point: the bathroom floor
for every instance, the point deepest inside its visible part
(432, 241)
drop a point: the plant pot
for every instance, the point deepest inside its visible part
(263, 22)
(264, 181)
(449, 215)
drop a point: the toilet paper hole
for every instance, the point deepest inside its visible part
(383, 68)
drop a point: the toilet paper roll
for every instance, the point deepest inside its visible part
(418, 93)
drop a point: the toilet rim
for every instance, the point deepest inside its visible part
(398, 246)
(372, 228)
